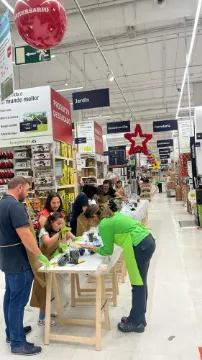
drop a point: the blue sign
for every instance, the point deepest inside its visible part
(116, 148)
(164, 162)
(199, 136)
(164, 143)
(106, 153)
(197, 144)
(165, 125)
(118, 127)
(164, 151)
(164, 156)
(90, 99)
(81, 140)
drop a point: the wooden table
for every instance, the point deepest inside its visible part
(93, 265)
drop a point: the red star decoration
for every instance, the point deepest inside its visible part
(137, 148)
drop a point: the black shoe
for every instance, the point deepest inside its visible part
(129, 327)
(27, 330)
(126, 319)
(27, 350)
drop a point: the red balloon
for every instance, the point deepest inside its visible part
(41, 23)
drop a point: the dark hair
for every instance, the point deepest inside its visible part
(52, 217)
(90, 191)
(101, 210)
(119, 182)
(17, 180)
(48, 202)
(108, 182)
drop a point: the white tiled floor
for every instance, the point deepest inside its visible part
(175, 301)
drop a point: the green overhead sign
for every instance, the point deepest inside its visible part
(28, 55)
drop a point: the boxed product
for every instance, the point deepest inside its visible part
(39, 156)
(178, 193)
(41, 163)
(41, 148)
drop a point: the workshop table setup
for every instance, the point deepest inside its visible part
(96, 266)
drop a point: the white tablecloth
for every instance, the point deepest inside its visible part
(139, 213)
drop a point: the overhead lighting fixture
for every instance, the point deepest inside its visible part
(70, 89)
(98, 117)
(188, 59)
(111, 77)
(9, 7)
(53, 56)
(66, 83)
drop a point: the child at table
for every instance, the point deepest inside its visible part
(52, 241)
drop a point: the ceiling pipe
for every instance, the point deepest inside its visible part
(103, 55)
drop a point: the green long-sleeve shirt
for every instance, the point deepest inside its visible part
(118, 225)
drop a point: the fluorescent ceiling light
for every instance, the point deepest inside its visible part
(9, 7)
(111, 77)
(98, 117)
(188, 59)
(70, 89)
(53, 56)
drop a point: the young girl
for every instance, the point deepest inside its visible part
(52, 240)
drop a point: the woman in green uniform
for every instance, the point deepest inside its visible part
(138, 247)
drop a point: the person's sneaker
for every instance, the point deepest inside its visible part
(27, 330)
(27, 350)
(126, 319)
(129, 327)
(42, 322)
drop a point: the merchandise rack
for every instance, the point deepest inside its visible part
(92, 174)
(147, 191)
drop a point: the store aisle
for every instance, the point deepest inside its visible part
(174, 329)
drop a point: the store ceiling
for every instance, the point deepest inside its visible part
(145, 45)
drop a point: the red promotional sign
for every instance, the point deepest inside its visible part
(61, 118)
(98, 138)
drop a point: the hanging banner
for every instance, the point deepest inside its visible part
(164, 156)
(86, 129)
(165, 125)
(6, 65)
(193, 160)
(118, 127)
(164, 143)
(25, 118)
(90, 99)
(98, 138)
(164, 151)
(184, 135)
(61, 118)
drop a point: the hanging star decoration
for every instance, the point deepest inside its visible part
(137, 148)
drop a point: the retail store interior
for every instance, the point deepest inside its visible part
(101, 156)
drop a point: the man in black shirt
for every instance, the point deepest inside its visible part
(108, 189)
(15, 238)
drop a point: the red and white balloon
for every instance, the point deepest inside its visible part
(41, 24)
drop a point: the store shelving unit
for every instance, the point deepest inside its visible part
(92, 168)
(147, 191)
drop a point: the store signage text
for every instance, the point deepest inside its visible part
(31, 10)
(81, 140)
(118, 127)
(164, 162)
(164, 156)
(164, 143)
(197, 144)
(165, 125)
(91, 99)
(164, 151)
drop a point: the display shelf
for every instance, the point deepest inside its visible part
(65, 186)
(92, 163)
(58, 157)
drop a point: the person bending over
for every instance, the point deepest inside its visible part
(138, 247)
